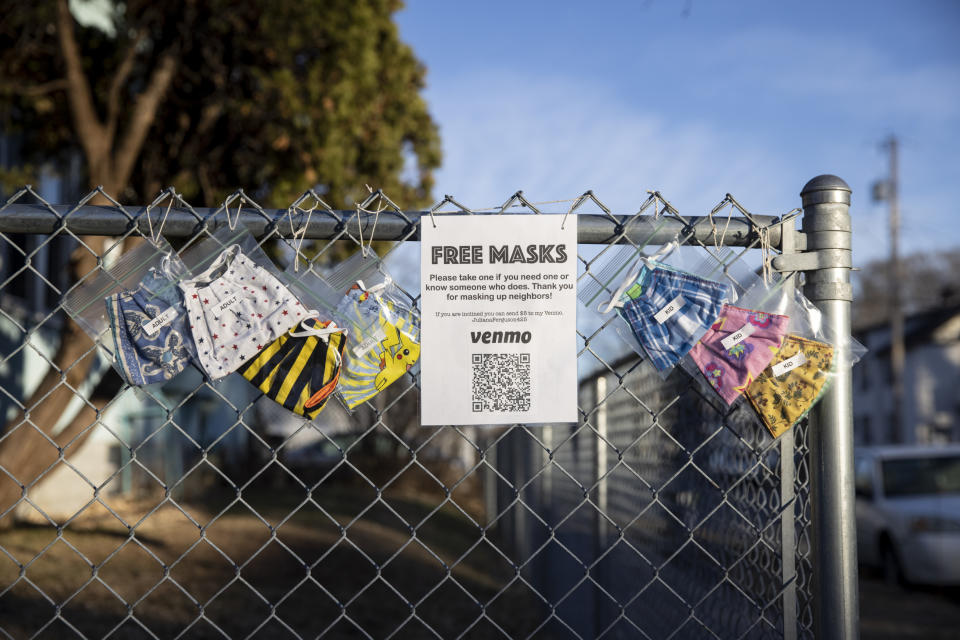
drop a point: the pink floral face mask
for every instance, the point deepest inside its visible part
(738, 347)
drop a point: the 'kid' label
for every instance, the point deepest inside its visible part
(671, 308)
(738, 336)
(361, 349)
(789, 364)
(161, 320)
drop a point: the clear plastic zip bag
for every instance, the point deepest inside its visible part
(803, 366)
(133, 310)
(384, 328)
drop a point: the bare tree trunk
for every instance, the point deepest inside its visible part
(26, 450)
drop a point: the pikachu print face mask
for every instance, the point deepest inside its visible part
(796, 378)
(390, 349)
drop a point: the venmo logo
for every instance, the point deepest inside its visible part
(494, 337)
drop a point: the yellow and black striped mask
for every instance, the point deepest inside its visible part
(300, 369)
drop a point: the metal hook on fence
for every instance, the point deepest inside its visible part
(446, 198)
(155, 237)
(573, 207)
(163, 220)
(303, 232)
(293, 234)
(236, 219)
(373, 229)
(577, 202)
(362, 207)
(360, 231)
(298, 235)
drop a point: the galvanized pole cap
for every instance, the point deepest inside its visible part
(825, 188)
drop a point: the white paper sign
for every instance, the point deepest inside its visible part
(498, 301)
(152, 326)
(789, 364)
(738, 336)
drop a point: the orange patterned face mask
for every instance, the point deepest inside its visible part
(792, 384)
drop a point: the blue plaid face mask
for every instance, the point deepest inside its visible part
(670, 311)
(148, 326)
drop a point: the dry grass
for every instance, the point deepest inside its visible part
(265, 575)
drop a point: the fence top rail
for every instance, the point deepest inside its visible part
(592, 229)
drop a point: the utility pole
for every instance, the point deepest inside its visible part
(889, 190)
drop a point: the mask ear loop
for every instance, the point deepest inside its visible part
(375, 292)
(628, 280)
(324, 333)
(723, 235)
(367, 250)
(765, 250)
(377, 288)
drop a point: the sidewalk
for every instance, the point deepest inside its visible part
(888, 613)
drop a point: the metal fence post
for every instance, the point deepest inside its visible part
(788, 496)
(826, 222)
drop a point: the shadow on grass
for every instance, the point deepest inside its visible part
(350, 565)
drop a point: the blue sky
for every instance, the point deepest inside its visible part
(698, 99)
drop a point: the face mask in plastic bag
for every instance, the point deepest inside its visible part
(737, 348)
(388, 341)
(300, 369)
(236, 308)
(786, 390)
(131, 308)
(671, 312)
(148, 327)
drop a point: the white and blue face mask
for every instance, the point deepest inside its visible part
(150, 338)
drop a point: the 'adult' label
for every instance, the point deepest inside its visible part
(365, 346)
(227, 304)
(671, 308)
(738, 336)
(788, 365)
(151, 327)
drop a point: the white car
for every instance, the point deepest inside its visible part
(908, 512)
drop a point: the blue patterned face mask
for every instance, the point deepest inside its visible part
(671, 311)
(150, 336)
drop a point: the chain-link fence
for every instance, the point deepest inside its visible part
(199, 509)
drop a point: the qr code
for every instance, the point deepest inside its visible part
(501, 382)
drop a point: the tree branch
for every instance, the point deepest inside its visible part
(144, 111)
(36, 90)
(86, 123)
(119, 79)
